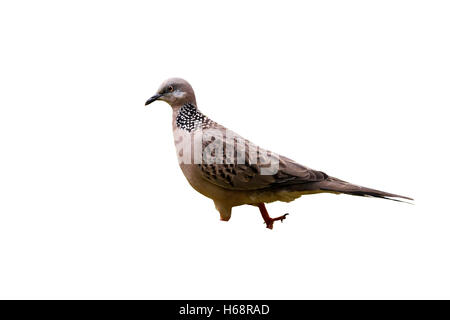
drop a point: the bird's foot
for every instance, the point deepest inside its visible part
(269, 222)
(267, 219)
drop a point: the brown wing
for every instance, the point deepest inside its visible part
(260, 169)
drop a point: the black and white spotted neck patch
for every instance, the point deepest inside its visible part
(190, 118)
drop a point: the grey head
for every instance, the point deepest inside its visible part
(174, 91)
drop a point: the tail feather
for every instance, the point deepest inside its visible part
(335, 185)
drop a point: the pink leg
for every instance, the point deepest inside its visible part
(267, 219)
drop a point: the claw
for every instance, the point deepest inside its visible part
(267, 219)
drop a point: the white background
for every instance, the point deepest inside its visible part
(93, 204)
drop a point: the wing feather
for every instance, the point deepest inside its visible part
(249, 172)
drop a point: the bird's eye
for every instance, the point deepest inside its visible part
(170, 89)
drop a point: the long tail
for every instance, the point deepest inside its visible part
(338, 186)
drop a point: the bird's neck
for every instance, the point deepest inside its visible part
(187, 117)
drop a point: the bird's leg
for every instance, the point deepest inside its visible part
(224, 210)
(267, 219)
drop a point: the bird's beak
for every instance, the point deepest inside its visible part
(154, 98)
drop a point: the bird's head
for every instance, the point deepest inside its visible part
(174, 91)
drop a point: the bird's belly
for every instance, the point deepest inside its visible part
(280, 195)
(237, 197)
(193, 174)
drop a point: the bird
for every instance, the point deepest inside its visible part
(232, 171)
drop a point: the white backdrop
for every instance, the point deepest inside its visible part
(93, 204)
